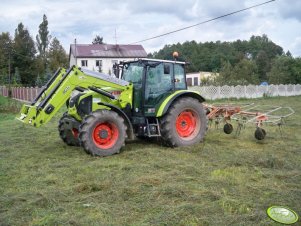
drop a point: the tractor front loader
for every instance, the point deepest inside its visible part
(153, 102)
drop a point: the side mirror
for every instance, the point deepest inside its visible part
(166, 69)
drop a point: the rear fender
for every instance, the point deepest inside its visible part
(175, 96)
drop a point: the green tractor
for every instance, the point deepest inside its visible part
(150, 99)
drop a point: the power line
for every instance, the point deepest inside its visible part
(203, 22)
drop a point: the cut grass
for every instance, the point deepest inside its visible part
(223, 181)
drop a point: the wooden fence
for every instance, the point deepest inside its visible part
(27, 94)
(209, 92)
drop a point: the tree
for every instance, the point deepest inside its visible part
(17, 78)
(24, 55)
(263, 64)
(285, 70)
(225, 74)
(57, 55)
(5, 56)
(244, 73)
(42, 39)
(47, 75)
(39, 81)
(97, 40)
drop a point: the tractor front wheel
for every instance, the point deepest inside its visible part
(185, 123)
(68, 132)
(102, 133)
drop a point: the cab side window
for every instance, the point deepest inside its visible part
(180, 82)
(158, 82)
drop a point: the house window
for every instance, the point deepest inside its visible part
(98, 63)
(114, 62)
(189, 81)
(84, 63)
(195, 81)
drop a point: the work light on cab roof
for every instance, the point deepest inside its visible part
(175, 55)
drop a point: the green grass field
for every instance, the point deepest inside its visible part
(223, 181)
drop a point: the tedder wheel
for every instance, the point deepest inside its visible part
(102, 133)
(185, 123)
(260, 133)
(68, 133)
(228, 128)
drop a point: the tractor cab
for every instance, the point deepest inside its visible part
(153, 81)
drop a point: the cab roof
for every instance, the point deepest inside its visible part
(156, 60)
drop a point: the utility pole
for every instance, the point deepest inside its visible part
(75, 52)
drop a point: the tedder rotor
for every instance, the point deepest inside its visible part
(258, 115)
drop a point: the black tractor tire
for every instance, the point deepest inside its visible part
(184, 124)
(69, 136)
(102, 133)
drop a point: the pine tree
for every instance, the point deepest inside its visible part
(57, 55)
(24, 55)
(5, 52)
(39, 81)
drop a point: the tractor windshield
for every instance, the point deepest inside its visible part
(132, 72)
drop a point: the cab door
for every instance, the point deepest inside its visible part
(133, 72)
(158, 85)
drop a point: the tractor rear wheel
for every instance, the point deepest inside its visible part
(67, 132)
(185, 123)
(102, 133)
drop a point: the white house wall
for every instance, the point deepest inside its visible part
(107, 64)
(192, 76)
(72, 60)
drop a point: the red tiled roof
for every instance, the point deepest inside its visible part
(108, 50)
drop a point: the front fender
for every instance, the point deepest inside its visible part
(175, 96)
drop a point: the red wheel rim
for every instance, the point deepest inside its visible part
(105, 135)
(75, 132)
(187, 124)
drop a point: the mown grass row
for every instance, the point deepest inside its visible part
(226, 180)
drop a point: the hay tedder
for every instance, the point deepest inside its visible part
(152, 101)
(258, 115)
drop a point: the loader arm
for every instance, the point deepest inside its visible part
(53, 81)
(59, 91)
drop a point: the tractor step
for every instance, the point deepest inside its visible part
(153, 128)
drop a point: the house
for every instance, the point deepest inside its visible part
(101, 57)
(196, 78)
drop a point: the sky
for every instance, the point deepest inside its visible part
(129, 21)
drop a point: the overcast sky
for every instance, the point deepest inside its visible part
(135, 20)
